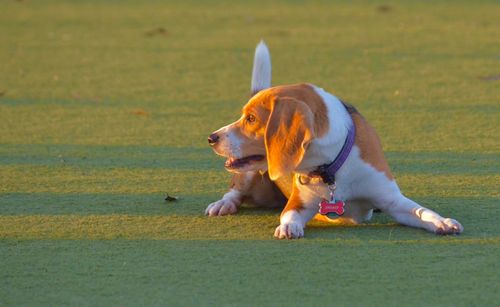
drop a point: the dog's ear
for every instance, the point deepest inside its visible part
(289, 131)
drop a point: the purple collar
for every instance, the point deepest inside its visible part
(327, 171)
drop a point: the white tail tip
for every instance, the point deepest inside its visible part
(261, 74)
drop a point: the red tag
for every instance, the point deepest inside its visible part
(326, 207)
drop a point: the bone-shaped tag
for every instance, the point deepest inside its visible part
(326, 207)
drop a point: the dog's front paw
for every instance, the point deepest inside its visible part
(449, 227)
(289, 231)
(221, 207)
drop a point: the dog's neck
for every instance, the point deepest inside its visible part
(325, 149)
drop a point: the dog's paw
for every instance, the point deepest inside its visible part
(222, 207)
(289, 231)
(449, 227)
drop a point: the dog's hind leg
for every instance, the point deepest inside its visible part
(408, 212)
(252, 187)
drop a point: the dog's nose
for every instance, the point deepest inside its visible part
(212, 139)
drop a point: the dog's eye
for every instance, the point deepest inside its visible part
(250, 118)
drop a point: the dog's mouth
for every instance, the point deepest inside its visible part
(233, 163)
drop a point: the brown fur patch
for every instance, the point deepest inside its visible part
(285, 184)
(258, 189)
(307, 94)
(294, 202)
(261, 105)
(285, 111)
(369, 144)
(288, 133)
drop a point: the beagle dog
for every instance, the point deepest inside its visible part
(301, 147)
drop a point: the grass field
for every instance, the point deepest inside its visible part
(105, 106)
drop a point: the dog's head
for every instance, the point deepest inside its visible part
(273, 134)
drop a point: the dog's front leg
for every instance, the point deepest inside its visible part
(249, 187)
(299, 209)
(229, 203)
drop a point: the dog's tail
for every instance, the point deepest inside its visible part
(261, 74)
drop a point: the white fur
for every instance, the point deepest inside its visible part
(261, 73)
(325, 149)
(227, 205)
(229, 144)
(291, 226)
(357, 182)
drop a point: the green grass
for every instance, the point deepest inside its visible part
(101, 114)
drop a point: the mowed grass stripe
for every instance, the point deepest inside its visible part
(104, 125)
(135, 227)
(110, 227)
(471, 208)
(112, 156)
(65, 179)
(203, 158)
(167, 125)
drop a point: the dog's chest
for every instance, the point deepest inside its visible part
(285, 184)
(313, 189)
